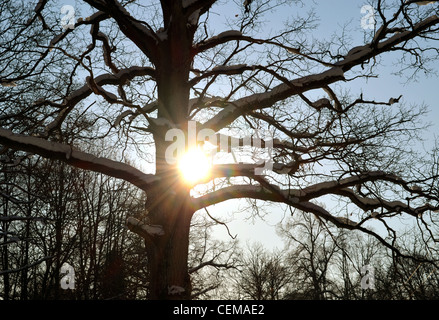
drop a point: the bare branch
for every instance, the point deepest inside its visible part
(70, 155)
(143, 36)
(27, 266)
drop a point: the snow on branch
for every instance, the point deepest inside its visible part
(267, 99)
(221, 38)
(367, 204)
(175, 290)
(120, 78)
(346, 223)
(248, 169)
(242, 191)
(322, 188)
(355, 57)
(98, 90)
(144, 229)
(299, 198)
(138, 31)
(226, 69)
(68, 154)
(295, 199)
(360, 54)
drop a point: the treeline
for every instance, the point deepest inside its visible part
(52, 214)
(332, 264)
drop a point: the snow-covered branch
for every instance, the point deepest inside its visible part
(249, 169)
(291, 197)
(297, 197)
(137, 31)
(267, 99)
(323, 188)
(361, 54)
(120, 78)
(238, 192)
(298, 200)
(200, 6)
(143, 229)
(355, 57)
(221, 38)
(70, 155)
(367, 204)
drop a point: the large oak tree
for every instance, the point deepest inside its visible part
(138, 69)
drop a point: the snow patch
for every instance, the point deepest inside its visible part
(153, 230)
(346, 221)
(193, 18)
(174, 290)
(83, 160)
(163, 122)
(229, 68)
(229, 33)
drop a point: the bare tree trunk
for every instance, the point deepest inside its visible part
(168, 253)
(169, 207)
(169, 203)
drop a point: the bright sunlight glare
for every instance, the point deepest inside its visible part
(194, 166)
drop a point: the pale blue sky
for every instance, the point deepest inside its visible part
(333, 15)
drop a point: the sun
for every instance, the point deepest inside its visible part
(194, 166)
